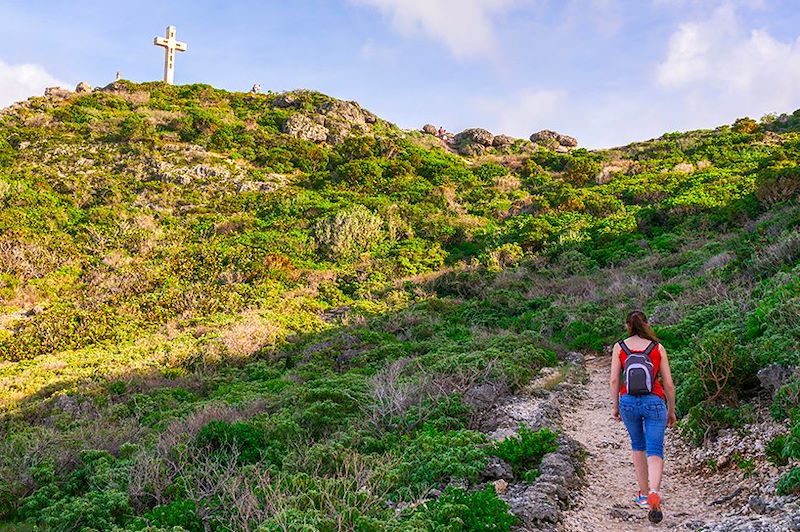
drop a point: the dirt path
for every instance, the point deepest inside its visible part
(606, 502)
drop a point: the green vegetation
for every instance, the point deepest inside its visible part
(524, 451)
(209, 323)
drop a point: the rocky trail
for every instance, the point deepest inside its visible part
(606, 502)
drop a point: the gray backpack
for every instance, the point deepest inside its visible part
(639, 373)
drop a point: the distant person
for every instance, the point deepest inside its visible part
(644, 404)
(441, 132)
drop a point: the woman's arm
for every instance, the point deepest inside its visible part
(614, 382)
(669, 387)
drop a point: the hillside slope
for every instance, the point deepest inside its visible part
(208, 294)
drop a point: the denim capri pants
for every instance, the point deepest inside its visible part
(645, 417)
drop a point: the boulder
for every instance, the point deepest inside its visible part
(497, 469)
(607, 173)
(430, 129)
(471, 150)
(684, 168)
(286, 101)
(482, 396)
(773, 377)
(475, 135)
(83, 87)
(302, 127)
(547, 136)
(56, 92)
(338, 111)
(503, 141)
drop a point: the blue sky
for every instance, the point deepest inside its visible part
(606, 71)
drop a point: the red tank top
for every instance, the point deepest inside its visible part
(655, 358)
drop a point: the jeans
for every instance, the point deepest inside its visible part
(645, 417)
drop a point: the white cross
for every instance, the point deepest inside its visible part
(170, 45)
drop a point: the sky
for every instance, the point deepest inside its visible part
(608, 72)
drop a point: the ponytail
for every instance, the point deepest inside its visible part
(637, 322)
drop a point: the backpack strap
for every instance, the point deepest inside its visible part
(650, 348)
(625, 348)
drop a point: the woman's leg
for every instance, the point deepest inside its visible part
(631, 414)
(655, 470)
(641, 465)
(655, 423)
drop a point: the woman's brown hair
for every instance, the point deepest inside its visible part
(638, 325)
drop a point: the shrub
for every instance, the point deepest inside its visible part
(179, 513)
(703, 421)
(778, 185)
(745, 125)
(246, 439)
(525, 451)
(774, 450)
(432, 457)
(348, 232)
(457, 510)
(98, 510)
(790, 482)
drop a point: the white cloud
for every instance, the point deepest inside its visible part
(722, 71)
(18, 82)
(465, 27)
(528, 111)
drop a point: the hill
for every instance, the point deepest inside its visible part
(281, 311)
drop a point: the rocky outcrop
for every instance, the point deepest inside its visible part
(774, 376)
(83, 88)
(503, 141)
(332, 121)
(338, 111)
(300, 126)
(551, 138)
(473, 141)
(273, 182)
(430, 129)
(539, 504)
(56, 93)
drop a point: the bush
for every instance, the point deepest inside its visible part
(457, 510)
(245, 439)
(774, 450)
(98, 510)
(432, 457)
(704, 422)
(525, 451)
(790, 482)
(179, 513)
(348, 232)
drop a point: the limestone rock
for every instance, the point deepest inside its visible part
(430, 129)
(83, 87)
(471, 150)
(482, 396)
(302, 127)
(547, 136)
(684, 168)
(56, 93)
(773, 377)
(497, 468)
(285, 101)
(607, 173)
(503, 141)
(475, 135)
(338, 111)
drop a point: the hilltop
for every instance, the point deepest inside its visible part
(282, 311)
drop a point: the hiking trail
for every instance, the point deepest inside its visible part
(606, 501)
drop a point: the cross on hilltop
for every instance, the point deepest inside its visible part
(170, 46)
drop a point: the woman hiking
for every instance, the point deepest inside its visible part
(644, 404)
